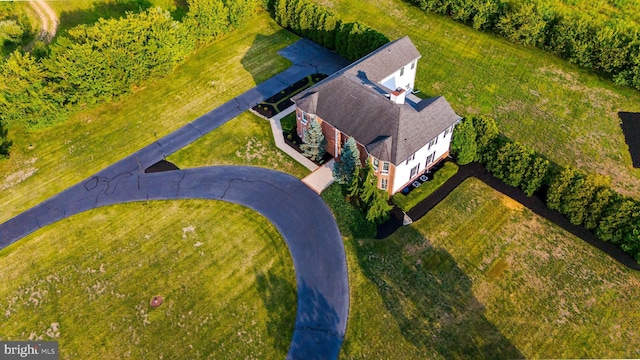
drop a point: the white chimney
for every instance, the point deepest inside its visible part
(398, 96)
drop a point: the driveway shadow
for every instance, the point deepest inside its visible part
(431, 298)
(279, 298)
(631, 130)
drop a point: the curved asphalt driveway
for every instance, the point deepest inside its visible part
(316, 248)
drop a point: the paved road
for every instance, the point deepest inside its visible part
(318, 252)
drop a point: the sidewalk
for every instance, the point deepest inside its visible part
(276, 128)
(321, 176)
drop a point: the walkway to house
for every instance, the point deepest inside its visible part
(318, 257)
(534, 203)
(321, 176)
(276, 129)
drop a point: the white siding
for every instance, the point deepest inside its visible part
(403, 170)
(395, 81)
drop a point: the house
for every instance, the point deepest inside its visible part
(401, 135)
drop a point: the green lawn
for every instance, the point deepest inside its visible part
(224, 271)
(566, 113)
(481, 277)
(245, 140)
(48, 161)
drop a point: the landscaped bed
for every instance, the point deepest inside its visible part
(413, 195)
(282, 100)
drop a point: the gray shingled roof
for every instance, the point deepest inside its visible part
(353, 102)
(385, 60)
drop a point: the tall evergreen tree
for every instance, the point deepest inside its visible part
(463, 143)
(314, 142)
(344, 168)
(379, 208)
(534, 175)
(486, 135)
(558, 188)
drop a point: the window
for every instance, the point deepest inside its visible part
(383, 184)
(414, 171)
(448, 130)
(385, 167)
(376, 163)
(410, 158)
(430, 158)
(299, 114)
(305, 118)
(401, 71)
(433, 142)
(413, 64)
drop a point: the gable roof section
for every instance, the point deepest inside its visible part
(386, 60)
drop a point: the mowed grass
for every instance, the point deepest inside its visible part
(48, 161)
(245, 140)
(482, 277)
(224, 272)
(565, 113)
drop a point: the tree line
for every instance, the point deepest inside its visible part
(101, 62)
(351, 40)
(585, 199)
(610, 47)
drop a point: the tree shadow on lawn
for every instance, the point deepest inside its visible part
(255, 56)
(431, 298)
(279, 298)
(111, 10)
(631, 130)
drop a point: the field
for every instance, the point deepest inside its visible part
(86, 281)
(566, 113)
(482, 277)
(48, 161)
